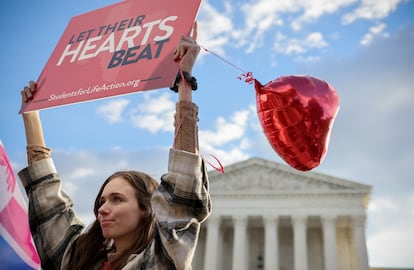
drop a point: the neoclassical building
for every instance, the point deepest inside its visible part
(270, 216)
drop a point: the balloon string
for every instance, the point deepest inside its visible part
(219, 168)
(248, 76)
(178, 129)
(222, 58)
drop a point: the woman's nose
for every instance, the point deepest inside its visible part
(103, 209)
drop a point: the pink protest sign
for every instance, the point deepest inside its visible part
(119, 49)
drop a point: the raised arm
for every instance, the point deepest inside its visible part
(186, 117)
(182, 202)
(36, 147)
(53, 222)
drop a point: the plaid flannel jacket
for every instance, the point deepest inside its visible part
(181, 203)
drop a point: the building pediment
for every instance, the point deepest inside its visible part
(262, 176)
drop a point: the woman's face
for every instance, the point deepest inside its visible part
(119, 213)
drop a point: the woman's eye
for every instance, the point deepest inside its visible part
(117, 199)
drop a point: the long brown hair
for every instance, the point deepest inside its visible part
(90, 247)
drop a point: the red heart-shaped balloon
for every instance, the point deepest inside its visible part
(297, 113)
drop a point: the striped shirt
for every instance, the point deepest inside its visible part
(181, 203)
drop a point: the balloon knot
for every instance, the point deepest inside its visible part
(247, 77)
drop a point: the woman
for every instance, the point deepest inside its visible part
(139, 224)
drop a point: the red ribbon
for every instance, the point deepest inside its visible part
(219, 168)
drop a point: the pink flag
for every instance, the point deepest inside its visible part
(16, 243)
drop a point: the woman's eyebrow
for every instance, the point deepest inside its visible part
(112, 194)
(115, 194)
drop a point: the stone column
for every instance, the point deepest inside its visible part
(271, 254)
(329, 242)
(361, 254)
(210, 257)
(240, 243)
(300, 243)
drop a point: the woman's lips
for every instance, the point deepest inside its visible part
(106, 222)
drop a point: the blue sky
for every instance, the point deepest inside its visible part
(364, 48)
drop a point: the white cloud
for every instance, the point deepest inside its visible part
(81, 172)
(215, 28)
(156, 105)
(373, 32)
(289, 46)
(225, 131)
(70, 187)
(392, 246)
(153, 123)
(260, 17)
(306, 59)
(383, 204)
(371, 9)
(312, 10)
(390, 243)
(112, 110)
(315, 40)
(229, 142)
(154, 113)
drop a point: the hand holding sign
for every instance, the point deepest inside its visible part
(187, 51)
